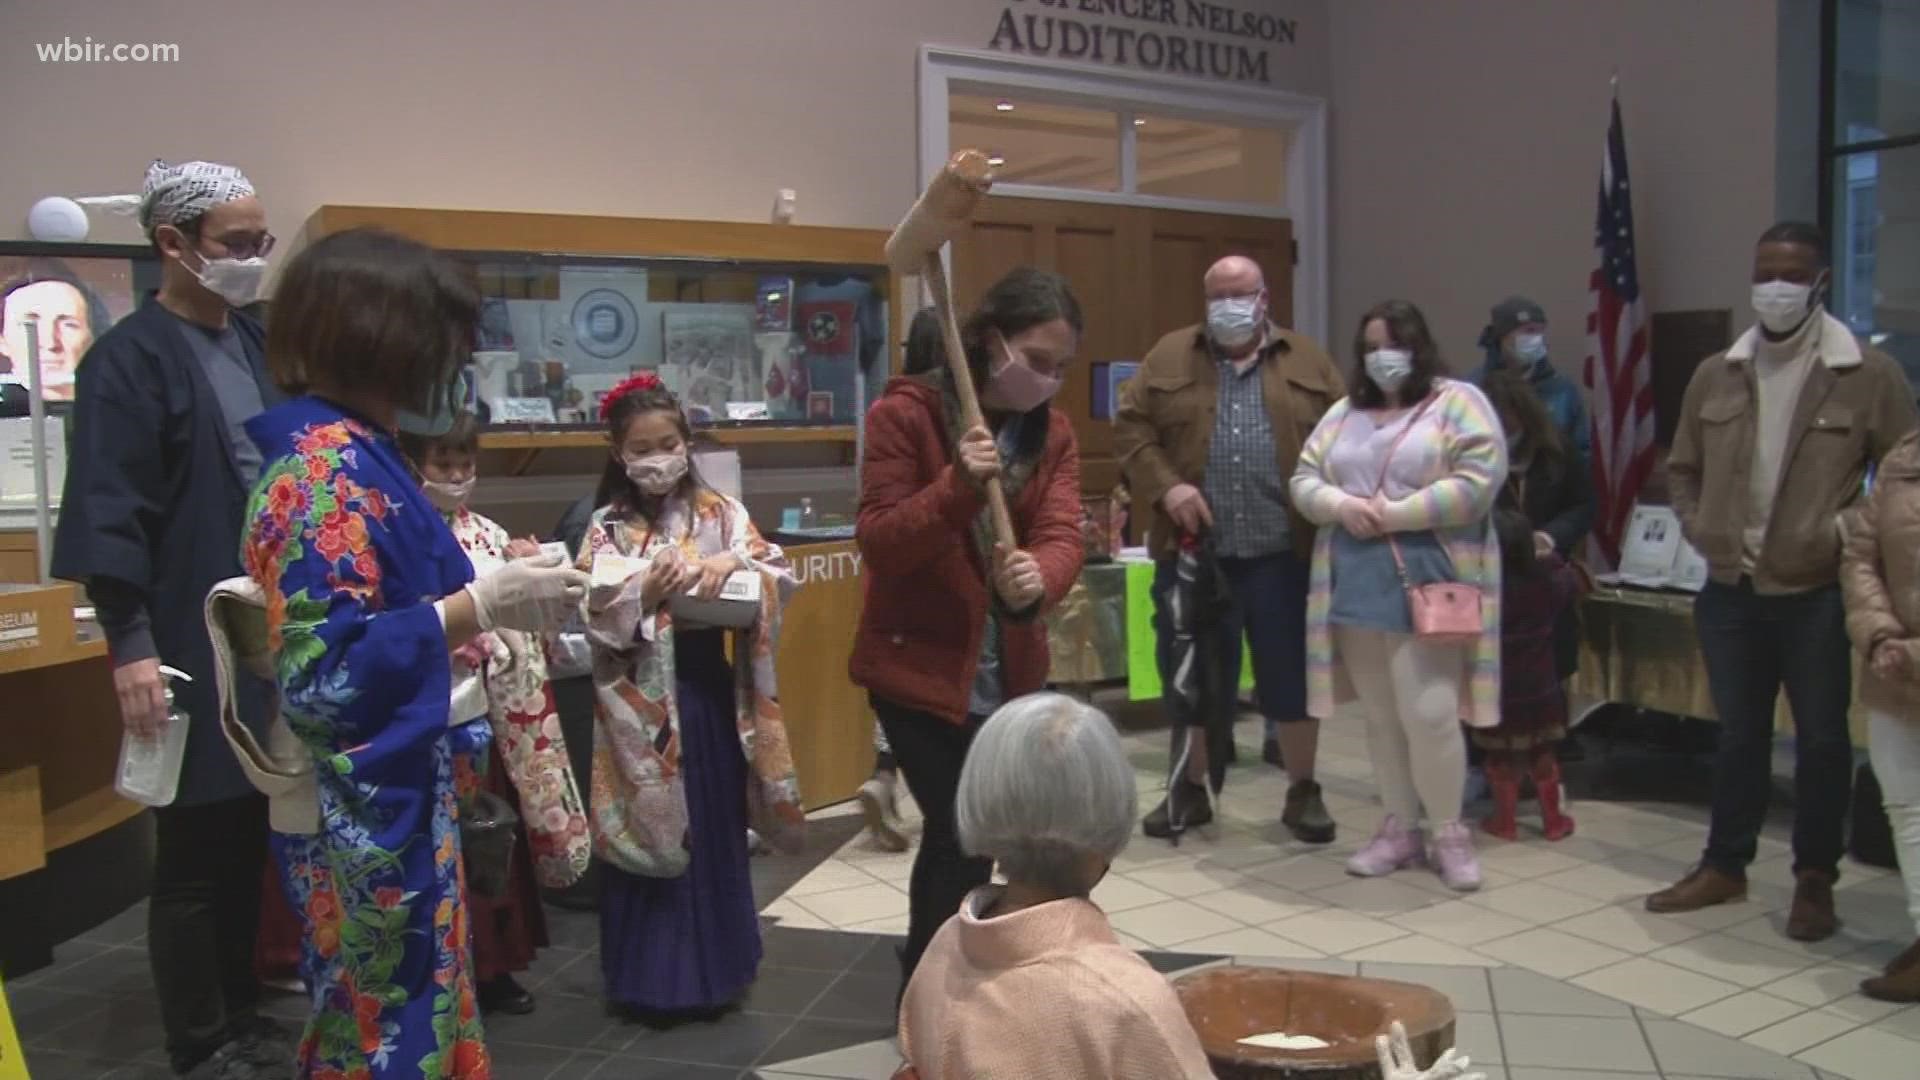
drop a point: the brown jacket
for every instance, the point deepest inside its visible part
(1880, 572)
(1165, 420)
(1855, 405)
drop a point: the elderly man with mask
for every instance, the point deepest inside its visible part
(1208, 433)
(158, 478)
(1516, 337)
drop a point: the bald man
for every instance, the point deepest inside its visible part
(1208, 434)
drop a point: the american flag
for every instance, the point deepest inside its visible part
(1618, 371)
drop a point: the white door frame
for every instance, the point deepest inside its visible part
(944, 69)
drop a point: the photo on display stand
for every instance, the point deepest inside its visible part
(76, 292)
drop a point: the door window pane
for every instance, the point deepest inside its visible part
(1876, 69)
(1060, 146)
(1193, 159)
(1876, 251)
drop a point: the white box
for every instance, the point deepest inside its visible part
(16, 459)
(737, 606)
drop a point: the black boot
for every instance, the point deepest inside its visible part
(1306, 814)
(1187, 805)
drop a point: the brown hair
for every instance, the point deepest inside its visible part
(1512, 397)
(615, 488)
(368, 309)
(462, 438)
(1025, 297)
(1407, 328)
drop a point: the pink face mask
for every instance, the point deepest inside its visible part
(1012, 386)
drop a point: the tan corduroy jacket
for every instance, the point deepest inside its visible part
(1880, 572)
(1164, 423)
(1855, 405)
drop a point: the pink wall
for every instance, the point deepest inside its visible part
(1467, 141)
(653, 108)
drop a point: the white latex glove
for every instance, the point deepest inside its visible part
(1396, 1060)
(536, 594)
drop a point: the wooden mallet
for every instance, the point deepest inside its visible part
(941, 212)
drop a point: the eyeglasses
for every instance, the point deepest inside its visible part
(243, 245)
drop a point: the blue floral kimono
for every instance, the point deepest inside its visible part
(351, 558)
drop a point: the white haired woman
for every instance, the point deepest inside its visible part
(1028, 978)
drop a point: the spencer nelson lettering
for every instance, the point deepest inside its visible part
(1190, 14)
(1068, 39)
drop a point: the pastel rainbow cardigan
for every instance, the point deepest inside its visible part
(1457, 504)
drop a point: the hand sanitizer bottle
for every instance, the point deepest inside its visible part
(150, 768)
(807, 520)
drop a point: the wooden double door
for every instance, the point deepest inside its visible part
(1137, 272)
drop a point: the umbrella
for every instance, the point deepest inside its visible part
(1201, 664)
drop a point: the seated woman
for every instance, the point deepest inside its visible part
(1028, 978)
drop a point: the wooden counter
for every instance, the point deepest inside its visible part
(59, 732)
(828, 719)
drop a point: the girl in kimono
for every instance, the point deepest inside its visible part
(689, 748)
(502, 678)
(367, 593)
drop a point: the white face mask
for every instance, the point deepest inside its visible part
(1781, 305)
(1233, 321)
(237, 281)
(1530, 348)
(656, 474)
(1388, 368)
(448, 496)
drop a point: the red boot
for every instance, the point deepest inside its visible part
(1546, 786)
(1503, 779)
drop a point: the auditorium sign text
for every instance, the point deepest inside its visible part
(1182, 37)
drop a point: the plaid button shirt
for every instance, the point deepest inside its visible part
(1244, 488)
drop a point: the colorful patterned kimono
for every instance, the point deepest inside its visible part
(639, 799)
(688, 749)
(351, 558)
(504, 673)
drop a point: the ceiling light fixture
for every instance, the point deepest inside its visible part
(996, 161)
(1004, 106)
(1139, 122)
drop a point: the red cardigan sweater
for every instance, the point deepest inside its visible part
(926, 586)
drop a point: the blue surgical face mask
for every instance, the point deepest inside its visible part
(1233, 321)
(445, 408)
(1530, 348)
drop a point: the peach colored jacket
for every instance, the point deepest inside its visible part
(1046, 991)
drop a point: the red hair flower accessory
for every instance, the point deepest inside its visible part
(640, 383)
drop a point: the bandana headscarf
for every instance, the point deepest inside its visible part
(176, 193)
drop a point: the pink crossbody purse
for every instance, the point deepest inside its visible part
(1443, 612)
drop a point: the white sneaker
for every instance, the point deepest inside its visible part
(880, 802)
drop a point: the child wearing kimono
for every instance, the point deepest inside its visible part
(501, 678)
(689, 746)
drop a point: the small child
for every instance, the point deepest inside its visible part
(501, 678)
(1535, 589)
(689, 745)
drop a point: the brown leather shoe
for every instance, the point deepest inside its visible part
(1907, 958)
(1702, 888)
(1901, 985)
(1811, 918)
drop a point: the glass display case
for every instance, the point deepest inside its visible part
(775, 337)
(741, 343)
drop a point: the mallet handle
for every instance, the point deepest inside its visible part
(970, 414)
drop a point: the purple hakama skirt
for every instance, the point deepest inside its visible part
(691, 942)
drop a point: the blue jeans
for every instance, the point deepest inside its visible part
(1753, 645)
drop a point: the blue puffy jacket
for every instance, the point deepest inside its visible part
(1561, 395)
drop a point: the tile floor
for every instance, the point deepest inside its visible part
(1555, 970)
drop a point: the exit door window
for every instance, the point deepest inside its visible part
(1193, 159)
(1062, 146)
